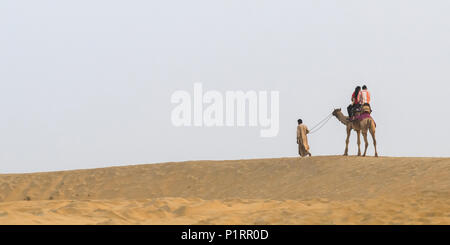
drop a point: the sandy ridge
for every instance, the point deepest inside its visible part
(317, 190)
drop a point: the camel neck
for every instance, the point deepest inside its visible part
(343, 119)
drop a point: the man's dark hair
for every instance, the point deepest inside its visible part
(299, 121)
(364, 87)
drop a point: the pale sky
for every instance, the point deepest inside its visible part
(87, 84)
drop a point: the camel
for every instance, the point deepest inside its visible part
(364, 125)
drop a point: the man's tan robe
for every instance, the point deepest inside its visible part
(302, 140)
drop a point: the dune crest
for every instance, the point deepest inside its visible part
(316, 190)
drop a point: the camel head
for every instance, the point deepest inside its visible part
(336, 111)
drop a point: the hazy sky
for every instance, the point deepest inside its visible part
(87, 84)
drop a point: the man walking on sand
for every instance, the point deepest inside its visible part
(302, 139)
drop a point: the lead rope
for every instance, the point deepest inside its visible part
(321, 123)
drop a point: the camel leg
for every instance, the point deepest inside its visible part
(359, 142)
(349, 130)
(366, 143)
(372, 132)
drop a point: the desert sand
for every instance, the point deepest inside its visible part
(316, 190)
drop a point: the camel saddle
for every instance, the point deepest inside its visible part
(366, 109)
(362, 112)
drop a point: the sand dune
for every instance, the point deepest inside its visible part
(317, 190)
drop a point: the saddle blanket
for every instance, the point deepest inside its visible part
(362, 116)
